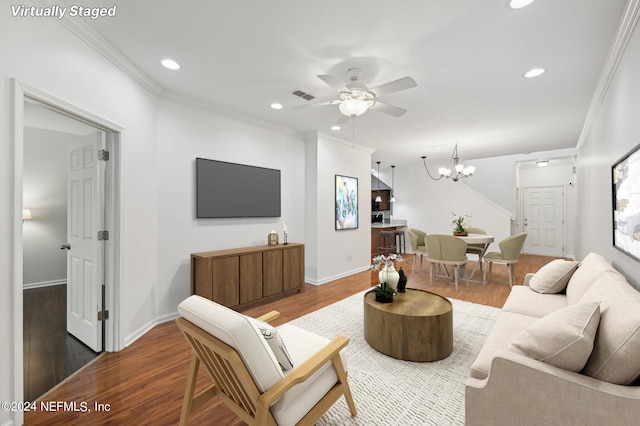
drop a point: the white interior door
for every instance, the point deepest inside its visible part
(543, 220)
(85, 217)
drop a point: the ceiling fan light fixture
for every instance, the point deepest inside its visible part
(354, 107)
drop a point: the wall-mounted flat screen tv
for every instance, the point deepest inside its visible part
(236, 190)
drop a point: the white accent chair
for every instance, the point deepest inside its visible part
(246, 374)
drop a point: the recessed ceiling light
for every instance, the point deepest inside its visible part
(336, 127)
(170, 64)
(519, 4)
(276, 105)
(535, 72)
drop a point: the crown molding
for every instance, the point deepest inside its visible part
(85, 33)
(618, 46)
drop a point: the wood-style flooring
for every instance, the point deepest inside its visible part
(50, 353)
(144, 383)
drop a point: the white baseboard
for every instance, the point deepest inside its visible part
(335, 277)
(44, 284)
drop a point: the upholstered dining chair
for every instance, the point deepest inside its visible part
(418, 245)
(509, 255)
(262, 380)
(477, 249)
(446, 250)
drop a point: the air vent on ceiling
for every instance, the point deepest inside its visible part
(303, 95)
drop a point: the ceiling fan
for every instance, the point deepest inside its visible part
(354, 98)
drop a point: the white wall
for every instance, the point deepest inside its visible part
(185, 133)
(615, 131)
(336, 253)
(43, 54)
(45, 193)
(428, 205)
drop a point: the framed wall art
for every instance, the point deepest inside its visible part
(625, 175)
(346, 214)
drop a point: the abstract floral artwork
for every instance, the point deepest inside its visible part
(626, 203)
(346, 202)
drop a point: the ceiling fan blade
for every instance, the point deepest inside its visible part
(334, 82)
(394, 86)
(317, 104)
(388, 109)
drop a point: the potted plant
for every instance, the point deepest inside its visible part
(460, 224)
(384, 293)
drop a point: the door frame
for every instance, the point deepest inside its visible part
(113, 200)
(564, 211)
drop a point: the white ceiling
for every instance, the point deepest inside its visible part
(467, 57)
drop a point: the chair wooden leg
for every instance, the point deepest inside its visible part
(431, 273)
(187, 402)
(510, 269)
(456, 272)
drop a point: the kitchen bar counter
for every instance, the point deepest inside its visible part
(377, 227)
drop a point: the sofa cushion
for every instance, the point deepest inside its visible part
(506, 327)
(616, 351)
(522, 300)
(563, 339)
(276, 343)
(553, 277)
(237, 331)
(588, 271)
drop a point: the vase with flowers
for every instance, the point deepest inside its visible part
(460, 223)
(388, 276)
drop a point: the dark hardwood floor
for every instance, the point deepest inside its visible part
(50, 353)
(145, 383)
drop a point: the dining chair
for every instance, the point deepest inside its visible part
(509, 255)
(254, 373)
(446, 250)
(418, 245)
(477, 249)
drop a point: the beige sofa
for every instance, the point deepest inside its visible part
(567, 353)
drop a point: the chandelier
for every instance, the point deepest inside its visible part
(456, 172)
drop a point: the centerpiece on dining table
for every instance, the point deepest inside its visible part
(461, 223)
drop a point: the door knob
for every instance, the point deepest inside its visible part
(65, 247)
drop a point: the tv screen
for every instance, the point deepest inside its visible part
(236, 190)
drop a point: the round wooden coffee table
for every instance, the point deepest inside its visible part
(416, 326)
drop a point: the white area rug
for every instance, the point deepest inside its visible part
(388, 391)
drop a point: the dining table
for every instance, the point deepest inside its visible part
(477, 239)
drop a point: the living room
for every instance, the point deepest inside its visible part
(162, 135)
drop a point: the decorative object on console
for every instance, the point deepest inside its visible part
(461, 224)
(346, 202)
(272, 238)
(625, 174)
(388, 273)
(456, 172)
(284, 234)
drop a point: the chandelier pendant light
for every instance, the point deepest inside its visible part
(456, 172)
(393, 196)
(378, 198)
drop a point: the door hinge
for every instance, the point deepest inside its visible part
(103, 155)
(103, 235)
(103, 315)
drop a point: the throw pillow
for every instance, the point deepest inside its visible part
(553, 277)
(563, 339)
(276, 344)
